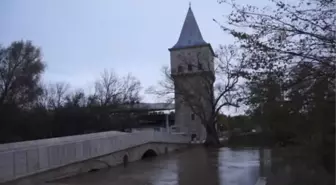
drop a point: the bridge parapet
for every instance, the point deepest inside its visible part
(27, 158)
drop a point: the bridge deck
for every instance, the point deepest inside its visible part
(27, 158)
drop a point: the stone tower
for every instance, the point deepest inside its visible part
(191, 58)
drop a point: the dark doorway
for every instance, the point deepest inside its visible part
(125, 160)
(149, 154)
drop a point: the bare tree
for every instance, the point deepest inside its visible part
(76, 99)
(294, 43)
(291, 54)
(53, 95)
(112, 90)
(56, 94)
(206, 88)
(131, 88)
(107, 88)
(286, 35)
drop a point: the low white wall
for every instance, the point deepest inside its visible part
(26, 158)
(158, 129)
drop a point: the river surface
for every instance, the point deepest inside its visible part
(196, 166)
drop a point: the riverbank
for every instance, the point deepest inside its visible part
(249, 140)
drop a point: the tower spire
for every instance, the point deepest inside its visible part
(190, 33)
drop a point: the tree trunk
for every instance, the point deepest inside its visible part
(212, 136)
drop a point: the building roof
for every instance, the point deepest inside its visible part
(146, 107)
(190, 35)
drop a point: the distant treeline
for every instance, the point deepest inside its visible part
(32, 110)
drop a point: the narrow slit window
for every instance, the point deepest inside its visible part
(200, 66)
(192, 116)
(180, 69)
(189, 67)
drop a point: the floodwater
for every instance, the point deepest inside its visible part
(196, 166)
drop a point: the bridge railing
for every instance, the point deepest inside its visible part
(26, 158)
(57, 140)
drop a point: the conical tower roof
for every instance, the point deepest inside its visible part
(190, 35)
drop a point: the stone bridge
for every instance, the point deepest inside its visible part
(33, 162)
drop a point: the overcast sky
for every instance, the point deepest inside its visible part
(81, 38)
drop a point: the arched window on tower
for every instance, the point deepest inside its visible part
(180, 69)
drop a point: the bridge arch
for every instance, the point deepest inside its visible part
(149, 153)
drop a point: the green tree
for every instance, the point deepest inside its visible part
(291, 61)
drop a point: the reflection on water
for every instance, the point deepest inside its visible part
(197, 166)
